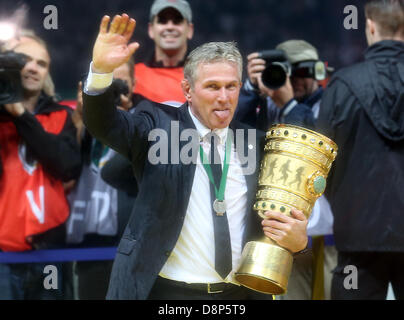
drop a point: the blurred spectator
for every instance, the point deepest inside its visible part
(99, 212)
(170, 28)
(38, 152)
(297, 102)
(363, 112)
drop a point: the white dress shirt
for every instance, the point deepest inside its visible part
(193, 257)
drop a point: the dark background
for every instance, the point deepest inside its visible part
(253, 24)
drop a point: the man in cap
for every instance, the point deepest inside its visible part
(170, 28)
(297, 103)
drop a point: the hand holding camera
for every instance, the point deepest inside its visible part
(255, 66)
(269, 71)
(280, 96)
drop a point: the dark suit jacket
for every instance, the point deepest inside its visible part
(164, 189)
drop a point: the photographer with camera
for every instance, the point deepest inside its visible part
(283, 85)
(100, 211)
(289, 76)
(38, 151)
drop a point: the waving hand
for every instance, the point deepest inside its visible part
(112, 47)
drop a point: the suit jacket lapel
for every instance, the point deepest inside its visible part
(251, 179)
(187, 170)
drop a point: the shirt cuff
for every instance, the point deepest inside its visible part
(97, 83)
(248, 86)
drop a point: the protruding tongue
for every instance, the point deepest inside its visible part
(222, 114)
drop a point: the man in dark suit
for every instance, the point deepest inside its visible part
(192, 217)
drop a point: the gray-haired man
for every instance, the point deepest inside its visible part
(177, 244)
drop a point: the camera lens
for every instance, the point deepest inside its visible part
(5, 89)
(274, 76)
(3, 85)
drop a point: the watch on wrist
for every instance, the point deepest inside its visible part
(298, 253)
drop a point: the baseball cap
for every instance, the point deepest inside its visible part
(300, 50)
(181, 6)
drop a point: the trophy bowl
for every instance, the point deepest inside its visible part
(293, 174)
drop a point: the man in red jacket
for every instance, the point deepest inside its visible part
(38, 152)
(170, 27)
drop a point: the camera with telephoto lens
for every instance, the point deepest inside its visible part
(119, 87)
(11, 64)
(278, 68)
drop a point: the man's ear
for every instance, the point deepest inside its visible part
(186, 89)
(150, 31)
(190, 31)
(371, 26)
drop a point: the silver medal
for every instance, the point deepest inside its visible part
(219, 207)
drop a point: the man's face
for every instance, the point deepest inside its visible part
(36, 69)
(214, 96)
(303, 87)
(170, 31)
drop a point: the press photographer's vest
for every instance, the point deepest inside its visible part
(162, 85)
(31, 200)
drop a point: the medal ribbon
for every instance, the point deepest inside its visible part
(219, 193)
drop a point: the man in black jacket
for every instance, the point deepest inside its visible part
(363, 112)
(180, 243)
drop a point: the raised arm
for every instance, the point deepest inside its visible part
(112, 48)
(113, 127)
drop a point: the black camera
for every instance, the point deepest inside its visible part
(278, 68)
(11, 64)
(119, 87)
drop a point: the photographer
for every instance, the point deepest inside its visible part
(99, 211)
(296, 102)
(38, 152)
(293, 71)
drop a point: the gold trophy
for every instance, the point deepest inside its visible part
(293, 173)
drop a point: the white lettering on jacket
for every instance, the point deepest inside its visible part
(39, 211)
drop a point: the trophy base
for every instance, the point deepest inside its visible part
(265, 267)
